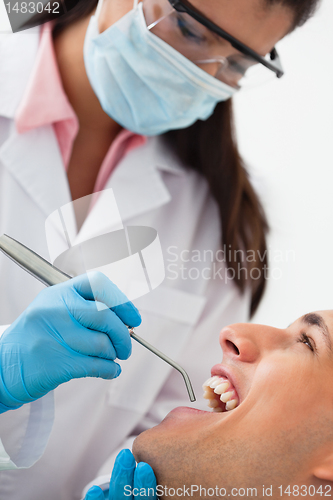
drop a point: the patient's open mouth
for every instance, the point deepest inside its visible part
(221, 394)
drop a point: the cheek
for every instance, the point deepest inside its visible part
(287, 388)
(276, 373)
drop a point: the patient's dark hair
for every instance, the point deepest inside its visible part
(210, 148)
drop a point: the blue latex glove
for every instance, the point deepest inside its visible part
(62, 335)
(127, 478)
(95, 493)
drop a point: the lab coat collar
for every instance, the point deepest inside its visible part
(137, 186)
(138, 181)
(164, 159)
(34, 160)
(15, 69)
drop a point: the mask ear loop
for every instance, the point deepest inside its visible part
(99, 8)
(100, 4)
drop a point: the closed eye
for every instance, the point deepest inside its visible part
(188, 32)
(308, 341)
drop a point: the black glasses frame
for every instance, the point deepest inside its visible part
(274, 64)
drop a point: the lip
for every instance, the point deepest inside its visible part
(187, 409)
(223, 371)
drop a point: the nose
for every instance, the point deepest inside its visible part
(248, 342)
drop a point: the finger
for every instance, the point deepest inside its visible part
(145, 481)
(88, 366)
(96, 286)
(91, 343)
(86, 313)
(94, 493)
(128, 313)
(122, 478)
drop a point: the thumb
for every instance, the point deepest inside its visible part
(121, 484)
(145, 481)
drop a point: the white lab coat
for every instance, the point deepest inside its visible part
(94, 418)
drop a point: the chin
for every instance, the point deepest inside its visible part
(171, 431)
(155, 446)
(144, 447)
(137, 448)
(152, 448)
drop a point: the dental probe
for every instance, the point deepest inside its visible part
(50, 275)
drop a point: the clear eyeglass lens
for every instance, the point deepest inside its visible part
(241, 72)
(207, 50)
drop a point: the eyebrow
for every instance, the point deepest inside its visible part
(314, 319)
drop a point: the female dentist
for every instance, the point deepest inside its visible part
(137, 99)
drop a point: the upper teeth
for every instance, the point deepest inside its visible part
(221, 388)
(218, 389)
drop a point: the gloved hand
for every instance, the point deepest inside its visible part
(127, 479)
(62, 335)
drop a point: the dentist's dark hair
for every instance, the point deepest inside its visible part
(301, 9)
(210, 148)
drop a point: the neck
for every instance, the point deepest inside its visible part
(69, 53)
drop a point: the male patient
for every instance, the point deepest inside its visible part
(270, 430)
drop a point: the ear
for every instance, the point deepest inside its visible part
(325, 470)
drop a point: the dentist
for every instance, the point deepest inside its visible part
(135, 98)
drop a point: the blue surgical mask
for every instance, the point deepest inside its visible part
(143, 83)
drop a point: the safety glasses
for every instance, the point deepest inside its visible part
(182, 26)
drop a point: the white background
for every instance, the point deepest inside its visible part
(4, 21)
(285, 132)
